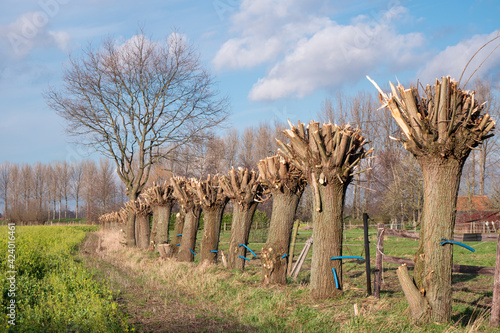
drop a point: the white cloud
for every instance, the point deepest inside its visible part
(28, 32)
(452, 60)
(307, 50)
(334, 56)
(267, 30)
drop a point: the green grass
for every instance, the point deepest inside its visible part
(54, 293)
(276, 309)
(68, 221)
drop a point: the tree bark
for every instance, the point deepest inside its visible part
(143, 231)
(130, 227)
(188, 241)
(441, 179)
(327, 235)
(179, 225)
(212, 218)
(161, 223)
(76, 208)
(274, 252)
(240, 231)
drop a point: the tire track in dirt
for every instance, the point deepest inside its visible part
(150, 306)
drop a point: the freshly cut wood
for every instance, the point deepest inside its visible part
(286, 184)
(440, 125)
(245, 192)
(142, 211)
(419, 306)
(377, 283)
(328, 157)
(165, 250)
(302, 257)
(113, 219)
(292, 247)
(191, 211)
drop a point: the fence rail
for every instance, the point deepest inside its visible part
(466, 269)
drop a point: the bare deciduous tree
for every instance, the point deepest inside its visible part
(77, 184)
(129, 100)
(4, 186)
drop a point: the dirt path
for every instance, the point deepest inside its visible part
(150, 306)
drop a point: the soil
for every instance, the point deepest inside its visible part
(150, 307)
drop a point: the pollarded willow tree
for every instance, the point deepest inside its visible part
(161, 200)
(286, 184)
(191, 211)
(440, 127)
(327, 156)
(178, 226)
(245, 192)
(142, 212)
(136, 102)
(209, 194)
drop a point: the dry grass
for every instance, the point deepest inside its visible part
(167, 296)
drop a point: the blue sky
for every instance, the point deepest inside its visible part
(272, 58)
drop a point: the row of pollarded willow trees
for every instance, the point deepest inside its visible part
(323, 156)
(440, 128)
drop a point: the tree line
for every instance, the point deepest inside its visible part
(439, 125)
(390, 188)
(37, 193)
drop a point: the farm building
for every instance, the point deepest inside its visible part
(475, 214)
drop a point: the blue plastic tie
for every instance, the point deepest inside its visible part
(336, 278)
(346, 257)
(248, 249)
(178, 235)
(284, 256)
(244, 258)
(178, 244)
(447, 241)
(214, 251)
(192, 251)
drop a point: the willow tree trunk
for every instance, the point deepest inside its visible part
(275, 251)
(143, 231)
(188, 241)
(327, 236)
(130, 230)
(130, 227)
(212, 218)
(178, 226)
(240, 231)
(161, 223)
(441, 179)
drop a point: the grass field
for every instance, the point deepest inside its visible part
(200, 298)
(52, 291)
(68, 281)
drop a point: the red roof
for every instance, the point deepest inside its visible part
(474, 203)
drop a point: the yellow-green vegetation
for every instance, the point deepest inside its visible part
(53, 292)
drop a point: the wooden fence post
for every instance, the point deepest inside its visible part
(292, 247)
(367, 255)
(495, 307)
(378, 260)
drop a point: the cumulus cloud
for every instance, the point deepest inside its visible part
(30, 31)
(308, 50)
(333, 56)
(267, 30)
(452, 60)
